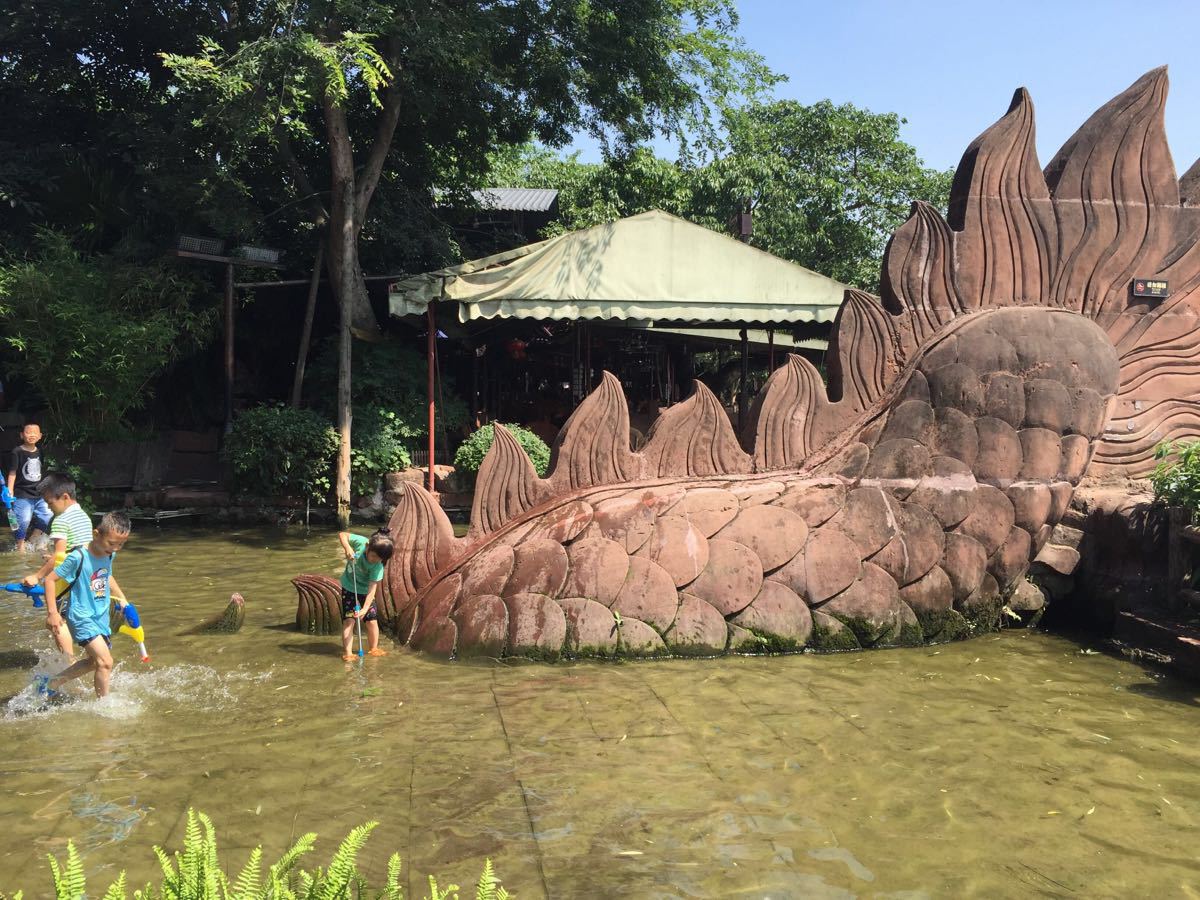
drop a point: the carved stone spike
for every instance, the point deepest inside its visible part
(783, 416)
(999, 203)
(592, 448)
(424, 544)
(506, 486)
(862, 355)
(694, 437)
(917, 272)
(318, 604)
(1113, 183)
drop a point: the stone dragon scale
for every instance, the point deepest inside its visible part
(903, 504)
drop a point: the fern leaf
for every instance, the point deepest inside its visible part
(116, 890)
(436, 893)
(393, 890)
(486, 889)
(247, 886)
(283, 867)
(342, 870)
(69, 881)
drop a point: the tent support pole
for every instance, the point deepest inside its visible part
(742, 392)
(430, 352)
(229, 314)
(770, 350)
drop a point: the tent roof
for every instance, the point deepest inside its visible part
(651, 267)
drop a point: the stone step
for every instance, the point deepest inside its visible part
(1176, 640)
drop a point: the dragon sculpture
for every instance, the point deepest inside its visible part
(1006, 357)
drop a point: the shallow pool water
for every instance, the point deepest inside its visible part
(1010, 765)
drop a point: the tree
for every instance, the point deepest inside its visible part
(325, 85)
(827, 184)
(92, 333)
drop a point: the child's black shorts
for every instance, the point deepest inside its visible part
(351, 601)
(84, 641)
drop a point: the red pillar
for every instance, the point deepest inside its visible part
(431, 354)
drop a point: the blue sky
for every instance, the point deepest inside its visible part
(950, 68)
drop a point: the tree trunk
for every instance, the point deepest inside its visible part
(343, 266)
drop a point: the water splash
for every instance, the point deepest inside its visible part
(136, 689)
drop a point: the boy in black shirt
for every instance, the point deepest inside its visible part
(24, 476)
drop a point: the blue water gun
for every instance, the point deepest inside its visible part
(35, 593)
(7, 499)
(133, 628)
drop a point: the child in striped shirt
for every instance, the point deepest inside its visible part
(71, 527)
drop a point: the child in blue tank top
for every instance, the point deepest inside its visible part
(91, 588)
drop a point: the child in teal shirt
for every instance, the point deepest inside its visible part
(360, 581)
(90, 587)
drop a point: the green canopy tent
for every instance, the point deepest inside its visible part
(649, 271)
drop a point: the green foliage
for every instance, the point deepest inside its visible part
(275, 449)
(69, 880)
(469, 456)
(380, 446)
(828, 184)
(196, 873)
(387, 376)
(92, 333)
(1176, 478)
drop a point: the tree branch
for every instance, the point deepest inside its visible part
(307, 191)
(385, 130)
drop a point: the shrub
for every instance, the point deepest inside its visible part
(93, 332)
(198, 874)
(388, 376)
(1176, 479)
(469, 456)
(379, 447)
(275, 449)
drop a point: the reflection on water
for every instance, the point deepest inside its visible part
(1005, 766)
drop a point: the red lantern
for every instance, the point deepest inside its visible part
(516, 348)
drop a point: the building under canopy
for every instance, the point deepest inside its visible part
(653, 298)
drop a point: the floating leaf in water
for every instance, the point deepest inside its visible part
(630, 853)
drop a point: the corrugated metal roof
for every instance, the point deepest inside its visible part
(516, 199)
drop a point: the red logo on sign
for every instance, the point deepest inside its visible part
(1140, 286)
